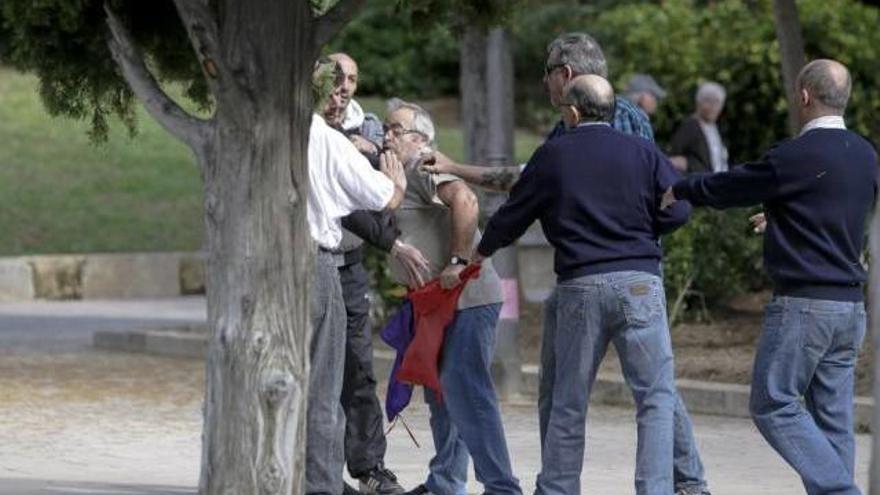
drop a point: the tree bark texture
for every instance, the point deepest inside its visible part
(792, 55)
(257, 58)
(487, 106)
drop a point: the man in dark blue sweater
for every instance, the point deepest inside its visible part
(597, 193)
(816, 190)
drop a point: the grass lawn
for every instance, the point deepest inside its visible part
(59, 193)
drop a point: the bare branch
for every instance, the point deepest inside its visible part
(177, 121)
(329, 24)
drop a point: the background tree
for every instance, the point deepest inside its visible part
(791, 51)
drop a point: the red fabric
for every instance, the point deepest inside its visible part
(433, 310)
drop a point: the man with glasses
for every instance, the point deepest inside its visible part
(439, 216)
(568, 56)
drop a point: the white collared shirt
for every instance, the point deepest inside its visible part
(826, 122)
(341, 182)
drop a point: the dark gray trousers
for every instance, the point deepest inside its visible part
(364, 436)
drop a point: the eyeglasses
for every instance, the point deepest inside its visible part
(398, 130)
(549, 68)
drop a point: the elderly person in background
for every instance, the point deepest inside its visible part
(439, 217)
(597, 193)
(817, 190)
(697, 146)
(644, 92)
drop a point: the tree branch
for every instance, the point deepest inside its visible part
(201, 26)
(329, 24)
(185, 127)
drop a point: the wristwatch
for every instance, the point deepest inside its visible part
(458, 260)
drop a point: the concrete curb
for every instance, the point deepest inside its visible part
(721, 399)
(102, 276)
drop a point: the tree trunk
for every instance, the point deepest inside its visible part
(259, 254)
(791, 50)
(486, 87)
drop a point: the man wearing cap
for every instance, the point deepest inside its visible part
(644, 92)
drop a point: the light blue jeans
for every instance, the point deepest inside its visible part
(808, 349)
(687, 469)
(627, 310)
(468, 420)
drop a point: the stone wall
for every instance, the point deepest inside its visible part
(101, 276)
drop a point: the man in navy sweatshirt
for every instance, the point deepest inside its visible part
(597, 192)
(816, 190)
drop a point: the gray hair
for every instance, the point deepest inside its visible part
(711, 90)
(580, 52)
(594, 99)
(827, 81)
(422, 122)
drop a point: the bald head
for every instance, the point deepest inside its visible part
(592, 96)
(350, 73)
(825, 84)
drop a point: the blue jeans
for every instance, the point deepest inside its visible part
(808, 349)
(468, 420)
(687, 467)
(626, 309)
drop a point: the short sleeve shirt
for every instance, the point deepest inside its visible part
(426, 223)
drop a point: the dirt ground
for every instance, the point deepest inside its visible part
(721, 350)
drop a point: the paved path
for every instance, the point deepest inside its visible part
(76, 421)
(52, 326)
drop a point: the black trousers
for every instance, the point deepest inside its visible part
(364, 436)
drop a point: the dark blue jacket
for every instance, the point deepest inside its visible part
(597, 192)
(816, 190)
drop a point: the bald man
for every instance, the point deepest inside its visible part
(597, 193)
(817, 190)
(364, 129)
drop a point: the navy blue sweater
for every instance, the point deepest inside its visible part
(597, 193)
(816, 190)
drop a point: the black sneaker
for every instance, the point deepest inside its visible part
(419, 490)
(349, 490)
(380, 481)
(693, 490)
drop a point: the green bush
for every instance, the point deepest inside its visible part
(714, 256)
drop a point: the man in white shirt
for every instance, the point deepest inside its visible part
(341, 181)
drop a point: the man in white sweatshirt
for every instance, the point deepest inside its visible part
(364, 129)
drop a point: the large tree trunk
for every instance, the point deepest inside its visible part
(791, 50)
(486, 88)
(259, 251)
(257, 58)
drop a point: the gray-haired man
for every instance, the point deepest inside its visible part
(568, 56)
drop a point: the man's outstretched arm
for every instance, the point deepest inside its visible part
(498, 179)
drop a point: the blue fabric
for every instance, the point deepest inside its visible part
(468, 421)
(398, 333)
(808, 349)
(628, 119)
(816, 191)
(597, 193)
(627, 310)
